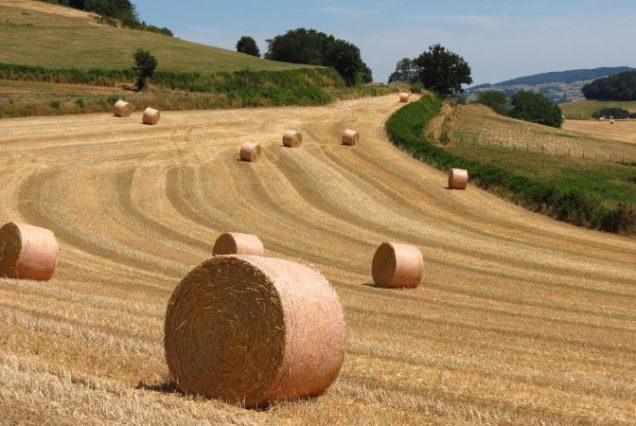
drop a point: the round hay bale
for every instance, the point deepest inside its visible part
(292, 139)
(250, 152)
(151, 116)
(611, 121)
(27, 252)
(404, 97)
(122, 108)
(254, 330)
(397, 265)
(457, 179)
(350, 137)
(238, 243)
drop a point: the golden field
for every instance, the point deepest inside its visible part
(519, 320)
(621, 131)
(479, 123)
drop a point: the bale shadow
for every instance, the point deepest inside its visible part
(166, 387)
(170, 387)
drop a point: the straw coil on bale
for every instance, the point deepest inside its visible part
(350, 137)
(238, 243)
(151, 116)
(457, 179)
(250, 152)
(397, 265)
(122, 108)
(292, 139)
(404, 97)
(27, 252)
(254, 330)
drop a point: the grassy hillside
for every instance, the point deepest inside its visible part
(41, 34)
(478, 124)
(582, 191)
(583, 110)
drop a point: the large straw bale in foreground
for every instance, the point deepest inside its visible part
(27, 252)
(250, 152)
(397, 265)
(254, 330)
(151, 116)
(457, 179)
(350, 137)
(292, 139)
(238, 243)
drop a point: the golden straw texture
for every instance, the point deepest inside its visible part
(238, 243)
(151, 116)
(122, 108)
(404, 97)
(457, 179)
(27, 252)
(292, 139)
(397, 265)
(350, 137)
(250, 152)
(254, 330)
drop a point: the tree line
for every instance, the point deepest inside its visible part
(312, 47)
(618, 87)
(121, 10)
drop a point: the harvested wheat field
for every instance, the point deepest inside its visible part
(621, 130)
(519, 318)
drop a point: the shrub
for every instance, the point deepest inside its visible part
(495, 99)
(145, 65)
(536, 108)
(612, 112)
(247, 44)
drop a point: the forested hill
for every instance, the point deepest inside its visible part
(568, 76)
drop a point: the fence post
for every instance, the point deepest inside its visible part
(568, 152)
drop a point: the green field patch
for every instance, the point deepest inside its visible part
(587, 193)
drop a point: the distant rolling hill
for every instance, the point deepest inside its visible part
(51, 36)
(559, 86)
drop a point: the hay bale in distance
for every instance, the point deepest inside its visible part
(238, 243)
(122, 109)
(457, 179)
(151, 116)
(254, 330)
(292, 139)
(27, 252)
(397, 265)
(250, 152)
(404, 97)
(350, 137)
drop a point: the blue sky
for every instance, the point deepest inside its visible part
(499, 39)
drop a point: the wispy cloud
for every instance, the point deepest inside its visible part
(350, 12)
(464, 20)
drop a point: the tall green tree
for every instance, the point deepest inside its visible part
(405, 71)
(303, 46)
(536, 108)
(247, 44)
(442, 71)
(145, 65)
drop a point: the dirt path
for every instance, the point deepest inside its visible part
(520, 319)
